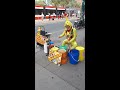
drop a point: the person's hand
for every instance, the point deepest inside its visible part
(59, 36)
(68, 42)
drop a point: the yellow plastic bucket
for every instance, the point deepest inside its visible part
(53, 49)
(81, 51)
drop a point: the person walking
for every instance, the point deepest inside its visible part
(53, 16)
(58, 15)
(62, 15)
(76, 14)
(42, 16)
(49, 16)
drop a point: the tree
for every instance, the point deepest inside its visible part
(55, 2)
(60, 2)
(71, 3)
(64, 3)
(77, 5)
(40, 2)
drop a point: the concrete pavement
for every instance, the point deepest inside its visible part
(73, 75)
(49, 76)
(45, 80)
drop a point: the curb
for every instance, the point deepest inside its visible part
(46, 21)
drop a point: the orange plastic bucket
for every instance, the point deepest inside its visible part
(64, 53)
(64, 58)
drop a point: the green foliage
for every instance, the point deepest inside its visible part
(64, 3)
(55, 2)
(39, 2)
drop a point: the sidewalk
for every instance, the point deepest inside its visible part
(47, 21)
(49, 76)
(45, 80)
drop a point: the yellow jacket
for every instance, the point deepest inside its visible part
(72, 32)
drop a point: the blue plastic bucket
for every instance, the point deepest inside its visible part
(73, 56)
(51, 42)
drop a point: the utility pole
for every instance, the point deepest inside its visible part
(70, 8)
(83, 8)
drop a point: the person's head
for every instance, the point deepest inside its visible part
(68, 24)
(68, 27)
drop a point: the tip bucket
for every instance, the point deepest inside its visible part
(73, 56)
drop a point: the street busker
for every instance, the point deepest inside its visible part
(70, 34)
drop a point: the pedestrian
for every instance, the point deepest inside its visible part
(62, 15)
(71, 15)
(58, 15)
(49, 16)
(42, 16)
(84, 16)
(67, 14)
(76, 14)
(53, 16)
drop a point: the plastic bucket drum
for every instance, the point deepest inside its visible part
(64, 58)
(81, 52)
(64, 53)
(73, 56)
(63, 47)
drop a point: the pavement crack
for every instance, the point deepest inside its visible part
(47, 65)
(59, 77)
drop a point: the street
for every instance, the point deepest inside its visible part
(52, 26)
(49, 76)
